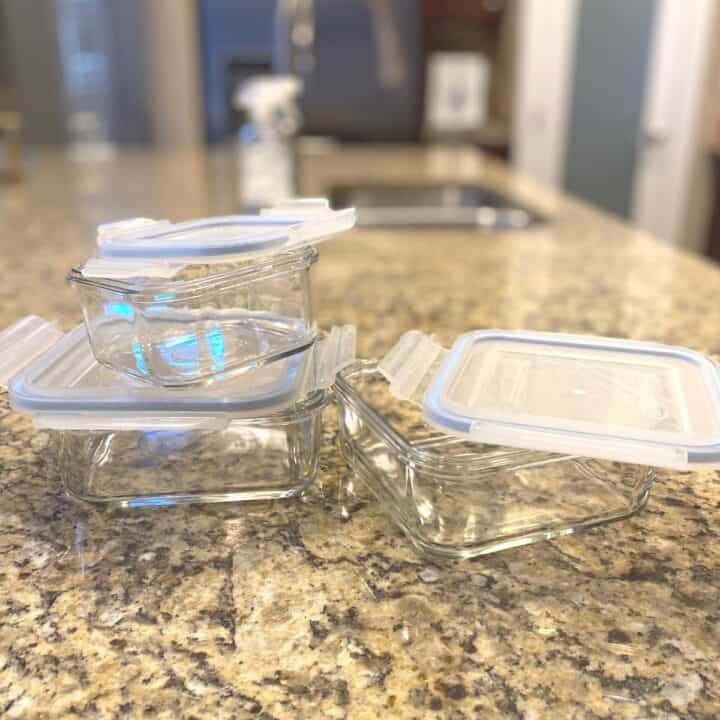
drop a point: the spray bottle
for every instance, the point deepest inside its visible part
(267, 156)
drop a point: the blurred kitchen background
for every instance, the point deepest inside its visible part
(616, 102)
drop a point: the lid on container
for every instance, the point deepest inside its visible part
(605, 398)
(66, 388)
(283, 227)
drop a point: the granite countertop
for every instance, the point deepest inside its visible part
(319, 607)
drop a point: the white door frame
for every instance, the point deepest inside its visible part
(671, 127)
(543, 87)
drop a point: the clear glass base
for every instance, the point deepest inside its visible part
(434, 541)
(251, 459)
(459, 499)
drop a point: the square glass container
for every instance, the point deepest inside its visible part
(203, 324)
(456, 498)
(120, 442)
(262, 458)
(194, 302)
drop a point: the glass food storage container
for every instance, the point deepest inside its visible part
(192, 303)
(119, 442)
(513, 437)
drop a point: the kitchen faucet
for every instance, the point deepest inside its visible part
(293, 48)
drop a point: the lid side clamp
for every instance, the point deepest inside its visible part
(410, 365)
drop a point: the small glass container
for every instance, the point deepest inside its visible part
(512, 436)
(196, 302)
(455, 498)
(120, 442)
(200, 326)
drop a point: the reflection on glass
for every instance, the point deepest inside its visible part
(216, 343)
(139, 358)
(181, 351)
(120, 308)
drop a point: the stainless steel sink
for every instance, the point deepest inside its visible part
(434, 205)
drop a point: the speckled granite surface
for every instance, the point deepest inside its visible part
(319, 607)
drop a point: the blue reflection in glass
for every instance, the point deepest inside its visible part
(155, 435)
(156, 308)
(165, 296)
(158, 501)
(216, 343)
(181, 352)
(139, 358)
(159, 443)
(120, 308)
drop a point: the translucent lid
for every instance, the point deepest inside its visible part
(605, 398)
(281, 228)
(64, 387)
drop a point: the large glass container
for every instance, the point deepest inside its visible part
(122, 442)
(260, 458)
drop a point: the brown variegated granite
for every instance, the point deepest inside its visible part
(319, 607)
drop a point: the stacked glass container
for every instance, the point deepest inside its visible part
(200, 374)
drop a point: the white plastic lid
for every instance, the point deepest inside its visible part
(283, 227)
(605, 398)
(64, 387)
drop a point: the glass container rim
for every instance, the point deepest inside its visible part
(247, 271)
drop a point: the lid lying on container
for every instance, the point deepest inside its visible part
(613, 399)
(281, 228)
(64, 387)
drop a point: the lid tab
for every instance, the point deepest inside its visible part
(334, 352)
(410, 364)
(22, 342)
(127, 227)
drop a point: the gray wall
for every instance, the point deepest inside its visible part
(232, 33)
(5, 74)
(611, 62)
(128, 101)
(33, 49)
(35, 65)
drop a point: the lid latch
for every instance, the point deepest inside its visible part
(117, 229)
(410, 365)
(24, 341)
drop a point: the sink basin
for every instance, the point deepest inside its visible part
(434, 205)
